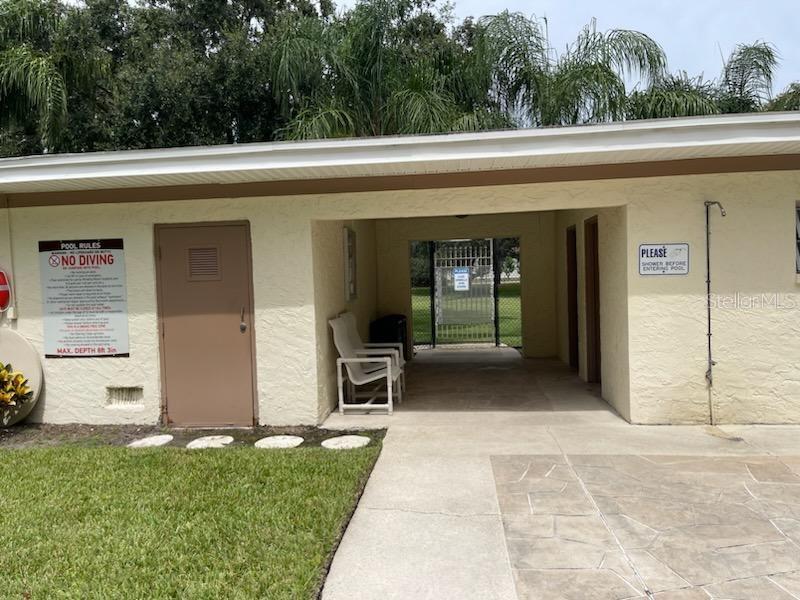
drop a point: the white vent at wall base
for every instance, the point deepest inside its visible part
(124, 397)
(203, 264)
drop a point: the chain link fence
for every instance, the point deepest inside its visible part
(508, 282)
(421, 293)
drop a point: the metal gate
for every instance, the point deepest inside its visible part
(464, 296)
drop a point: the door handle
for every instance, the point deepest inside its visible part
(242, 324)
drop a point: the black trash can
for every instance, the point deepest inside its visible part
(391, 328)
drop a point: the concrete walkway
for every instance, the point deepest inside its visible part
(503, 478)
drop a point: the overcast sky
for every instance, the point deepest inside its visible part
(692, 33)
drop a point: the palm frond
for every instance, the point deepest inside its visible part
(635, 53)
(36, 81)
(517, 49)
(29, 21)
(369, 54)
(629, 53)
(419, 103)
(673, 96)
(788, 99)
(420, 111)
(320, 120)
(482, 119)
(471, 74)
(585, 83)
(295, 57)
(747, 76)
(585, 92)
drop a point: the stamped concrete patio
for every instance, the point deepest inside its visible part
(509, 478)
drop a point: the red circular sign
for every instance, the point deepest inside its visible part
(5, 291)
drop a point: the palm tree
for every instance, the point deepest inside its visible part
(745, 85)
(789, 99)
(746, 81)
(36, 69)
(583, 84)
(674, 96)
(385, 67)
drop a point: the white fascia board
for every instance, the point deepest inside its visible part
(614, 142)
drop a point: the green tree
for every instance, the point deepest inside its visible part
(745, 85)
(114, 74)
(673, 96)
(508, 266)
(387, 67)
(197, 72)
(746, 81)
(789, 99)
(420, 264)
(583, 84)
(38, 67)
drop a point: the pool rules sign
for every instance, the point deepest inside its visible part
(84, 298)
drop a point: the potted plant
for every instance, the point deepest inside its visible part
(15, 395)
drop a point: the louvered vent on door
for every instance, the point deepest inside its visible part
(203, 264)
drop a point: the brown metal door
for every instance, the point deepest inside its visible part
(205, 305)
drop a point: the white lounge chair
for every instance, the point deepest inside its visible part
(393, 349)
(365, 366)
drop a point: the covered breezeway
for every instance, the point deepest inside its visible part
(486, 381)
(494, 379)
(559, 285)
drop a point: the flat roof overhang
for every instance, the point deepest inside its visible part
(695, 145)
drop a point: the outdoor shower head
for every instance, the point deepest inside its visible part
(712, 203)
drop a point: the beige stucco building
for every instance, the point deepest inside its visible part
(284, 206)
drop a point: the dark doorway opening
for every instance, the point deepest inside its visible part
(592, 287)
(572, 296)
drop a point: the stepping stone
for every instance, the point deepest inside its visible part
(346, 442)
(151, 442)
(279, 441)
(210, 441)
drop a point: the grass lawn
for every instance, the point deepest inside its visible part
(79, 522)
(510, 315)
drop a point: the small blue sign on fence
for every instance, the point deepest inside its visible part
(461, 279)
